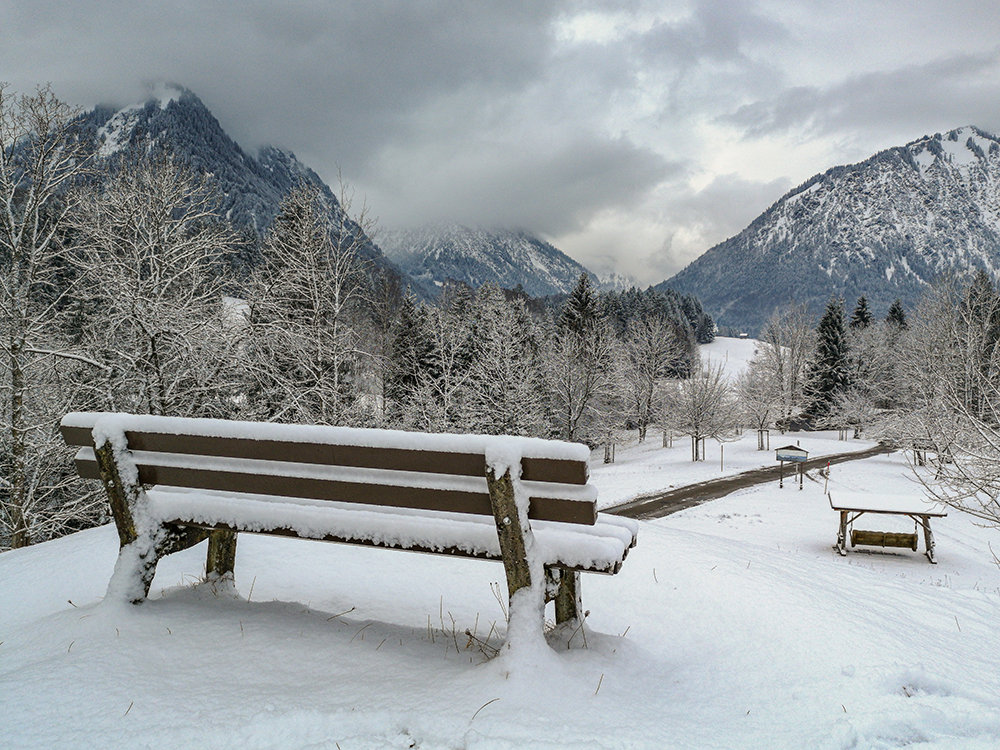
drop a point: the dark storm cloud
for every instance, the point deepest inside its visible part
(297, 73)
(941, 94)
(645, 130)
(549, 188)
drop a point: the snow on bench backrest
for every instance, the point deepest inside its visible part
(410, 470)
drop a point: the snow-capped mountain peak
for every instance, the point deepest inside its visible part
(476, 256)
(885, 228)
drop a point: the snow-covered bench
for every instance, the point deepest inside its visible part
(172, 482)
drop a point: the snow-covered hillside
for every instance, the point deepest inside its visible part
(885, 228)
(732, 625)
(733, 355)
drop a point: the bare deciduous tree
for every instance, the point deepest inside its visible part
(703, 406)
(153, 312)
(581, 379)
(653, 348)
(504, 391)
(786, 344)
(40, 158)
(303, 350)
(760, 401)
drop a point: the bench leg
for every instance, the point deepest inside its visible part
(928, 539)
(221, 559)
(509, 531)
(842, 534)
(569, 605)
(137, 560)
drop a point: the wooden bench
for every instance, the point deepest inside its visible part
(852, 506)
(173, 482)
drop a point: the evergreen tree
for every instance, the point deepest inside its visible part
(580, 312)
(410, 352)
(896, 316)
(978, 335)
(828, 373)
(862, 317)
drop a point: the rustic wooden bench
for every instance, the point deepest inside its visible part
(852, 506)
(173, 482)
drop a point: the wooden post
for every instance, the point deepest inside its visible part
(123, 496)
(509, 531)
(842, 534)
(928, 538)
(120, 495)
(157, 542)
(565, 587)
(221, 559)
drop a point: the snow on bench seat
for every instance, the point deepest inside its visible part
(599, 548)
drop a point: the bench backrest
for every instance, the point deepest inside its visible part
(380, 467)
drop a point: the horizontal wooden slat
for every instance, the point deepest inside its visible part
(883, 539)
(434, 462)
(453, 501)
(611, 568)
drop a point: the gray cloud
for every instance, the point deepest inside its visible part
(597, 123)
(549, 186)
(944, 93)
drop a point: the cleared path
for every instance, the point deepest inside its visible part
(659, 504)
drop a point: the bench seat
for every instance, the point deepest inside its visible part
(600, 548)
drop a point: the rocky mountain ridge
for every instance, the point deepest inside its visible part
(885, 227)
(433, 254)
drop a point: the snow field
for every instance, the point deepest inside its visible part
(745, 629)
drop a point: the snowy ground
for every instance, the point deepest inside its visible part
(731, 625)
(732, 354)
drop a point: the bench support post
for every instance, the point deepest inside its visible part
(925, 521)
(842, 534)
(121, 496)
(148, 545)
(564, 586)
(221, 560)
(509, 531)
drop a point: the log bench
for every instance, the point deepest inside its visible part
(173, 482)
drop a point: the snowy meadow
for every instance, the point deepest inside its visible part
(732, 624)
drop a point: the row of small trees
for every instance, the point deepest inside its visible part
(482, 361)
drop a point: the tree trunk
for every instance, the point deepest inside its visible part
(18, 450)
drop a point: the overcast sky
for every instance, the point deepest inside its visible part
(632, 135)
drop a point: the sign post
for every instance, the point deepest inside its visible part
(793, 454)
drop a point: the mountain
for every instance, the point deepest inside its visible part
(251, 186)
(885, 228)
(476, 256)
(615, 282)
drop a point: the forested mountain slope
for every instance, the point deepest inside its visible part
(477, 256)
(884, 228)
(251, 187)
